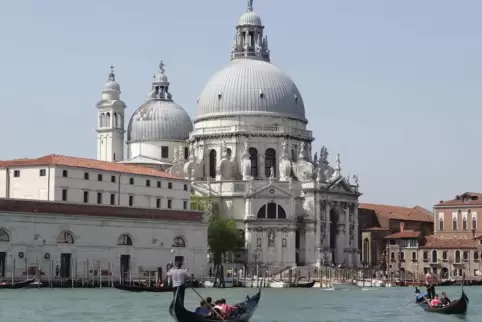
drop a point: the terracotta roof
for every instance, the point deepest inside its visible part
(46, 207)
(449, 243)
(465, 199)
(405, 234)
(399, 213)
(62, 160)
(374, 229)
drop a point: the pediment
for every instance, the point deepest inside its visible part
(271, 190)
(341, 186)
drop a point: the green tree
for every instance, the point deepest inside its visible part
(223, 237)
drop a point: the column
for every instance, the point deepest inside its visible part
(347, 249)
(317, 212)
(327, 229)
(356, 253)
(248, 211)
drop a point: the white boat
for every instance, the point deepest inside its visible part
(279, 284)
(228, 282)
(344, 285)
(371, 283)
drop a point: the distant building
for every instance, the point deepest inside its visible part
(454, 249)
(78, 180)
(83, 240)
(379, 221)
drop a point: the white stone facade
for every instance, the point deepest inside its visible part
(93, 186)
(39, 240)
(251, 153)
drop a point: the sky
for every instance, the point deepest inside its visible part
(393, 86)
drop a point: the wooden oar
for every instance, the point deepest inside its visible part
(409, 301)
(212, 309)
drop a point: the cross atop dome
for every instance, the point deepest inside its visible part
(112, 75)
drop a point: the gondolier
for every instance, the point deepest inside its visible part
(430, 282)
(178, 277)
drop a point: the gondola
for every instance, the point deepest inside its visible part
(244, 312)
(456, 307)
(303, 284)
(17, 285)
(137, 288)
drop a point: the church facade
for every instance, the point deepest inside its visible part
(250, 151)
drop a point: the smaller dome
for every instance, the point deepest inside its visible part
(159, 120)
(111, 84)
(250, 18)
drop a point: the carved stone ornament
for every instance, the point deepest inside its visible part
(271, 238)
(304, 170)
(352, 233)
(322, 234)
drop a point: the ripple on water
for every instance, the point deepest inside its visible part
(277, 305)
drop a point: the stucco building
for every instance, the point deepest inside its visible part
(83, 240)
(85, 181)
(455, 247)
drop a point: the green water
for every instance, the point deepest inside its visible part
(66, 305)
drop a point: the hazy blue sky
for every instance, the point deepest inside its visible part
(393, 86)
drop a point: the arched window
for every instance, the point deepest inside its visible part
(441, 223)
(212, 164)
(116, 120)
(366, 250)
(474, 220)
(107, 119)
(271, 214)
(125, 240)
(178, 242)
(434, 256)
(4, 237)
(65, 237)
(271, 211)
(454, 222)
(241, 238)
(253, 157)
(269, 162)
(281, 213)
(262, 212)
(102, 120)
(457, 256)
(464, 223)
(476, 256)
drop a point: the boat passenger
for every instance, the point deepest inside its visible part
(203, 309)
(228, 309)
(445, 300)
(219, 308)
(435, 301)
(209, 301)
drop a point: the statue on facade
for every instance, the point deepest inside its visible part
(290, 183)
(283, 243)
(258, 242)
(355, 179)
(271, 173)
(271, 238)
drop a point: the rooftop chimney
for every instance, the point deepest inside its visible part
(402, 226)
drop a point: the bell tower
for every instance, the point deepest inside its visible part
(110, 122)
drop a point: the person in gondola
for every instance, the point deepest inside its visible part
(203, 309)
(444, 299)
(209, 301)
(430, 282)
(178, 276)
(435, 302)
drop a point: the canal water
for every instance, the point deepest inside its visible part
(277, 305)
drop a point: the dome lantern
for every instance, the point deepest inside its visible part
(249, 41)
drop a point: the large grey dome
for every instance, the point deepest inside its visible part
(250, 87)
(159, 120)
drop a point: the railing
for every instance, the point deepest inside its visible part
(253, 129)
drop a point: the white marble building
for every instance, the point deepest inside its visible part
(85, 239)
(251, 151)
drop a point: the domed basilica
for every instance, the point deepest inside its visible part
(249, 149)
